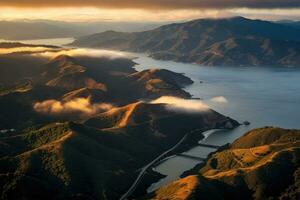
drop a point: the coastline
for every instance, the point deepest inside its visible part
(189, 142)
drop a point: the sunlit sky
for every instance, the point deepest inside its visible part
(145, 10)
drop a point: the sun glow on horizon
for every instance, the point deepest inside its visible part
(93, 14)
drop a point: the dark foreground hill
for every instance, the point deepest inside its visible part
(262, 164)
(235, 41)
(76, 128)
(68, 160)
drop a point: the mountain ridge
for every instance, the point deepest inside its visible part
(262, 164)
(188, 41)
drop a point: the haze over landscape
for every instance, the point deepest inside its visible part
(162, 99)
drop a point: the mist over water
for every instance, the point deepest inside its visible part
(78, 52)
(264, 96)
(179, 104)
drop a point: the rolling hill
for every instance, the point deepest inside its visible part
(63, 145)
(262, 164)
(207, 41)
(160, 81)
(68, 160)
(62, 79)
(115, 77)
(140, 113)
(64, 72)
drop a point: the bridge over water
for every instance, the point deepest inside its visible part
(160, 158)
(197, 157)
(191, 157)
(209, 146)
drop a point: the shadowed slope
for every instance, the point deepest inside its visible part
(139, 113)
(262, 164)
(204, 41)
(67, 160)
(65, 72)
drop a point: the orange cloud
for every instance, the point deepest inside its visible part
(179, 104)
(82, 107)
(155, 4)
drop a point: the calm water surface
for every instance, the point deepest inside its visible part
(263, 96)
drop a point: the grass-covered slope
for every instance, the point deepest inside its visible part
(29, 79)
(68, 160)
(140, 113)
(100, 159)
(160, 82)
(234, 41)
(263, 164)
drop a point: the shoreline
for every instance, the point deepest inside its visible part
(186, 148)
(187, 143)
(144, 169)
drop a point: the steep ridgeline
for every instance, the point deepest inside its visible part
(86, 161)
(15, 66)
(159, 115)
(45, 156)
(262, 164)
(234, 41)
(65, 72)
(31, 79)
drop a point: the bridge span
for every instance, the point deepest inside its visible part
(191, 157)
(209, 146)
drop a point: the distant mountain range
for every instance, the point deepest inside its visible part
(44, 29)
(227, 42)
(295, 24)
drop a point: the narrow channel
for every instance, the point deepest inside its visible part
(255, 94)
(183, 163)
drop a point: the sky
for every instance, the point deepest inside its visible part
(147, 10)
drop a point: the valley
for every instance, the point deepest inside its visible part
(242, 170)
(182, 111)
(99, 110)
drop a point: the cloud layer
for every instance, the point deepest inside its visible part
(23, 49)
(219, 99)
(81, 107)
(156, 4)
(78, 52)
(98, 53)
(179, 104)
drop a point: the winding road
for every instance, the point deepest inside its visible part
(144, 169)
